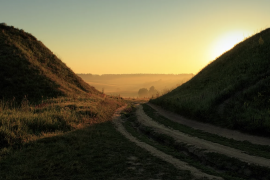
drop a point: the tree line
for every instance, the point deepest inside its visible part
(144, 92)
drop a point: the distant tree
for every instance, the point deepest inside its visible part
(152, 88)
(143, 92)
(152, 91)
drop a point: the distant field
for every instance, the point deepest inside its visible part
(116, 89)
(128, 85)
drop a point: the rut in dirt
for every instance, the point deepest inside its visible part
(199, 143)
(236, 135)
(117, 121)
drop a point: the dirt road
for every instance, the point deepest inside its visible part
(176, 162)
(200, 143)
(211, 128)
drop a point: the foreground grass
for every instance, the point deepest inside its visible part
(245, 146)
(25, 123)
(95, 152)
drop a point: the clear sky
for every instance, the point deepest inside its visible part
(137, 36)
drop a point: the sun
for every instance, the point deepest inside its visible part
(226, 42)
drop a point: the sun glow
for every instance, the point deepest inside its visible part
(226, 42)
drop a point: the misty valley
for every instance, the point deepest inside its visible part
(128, 85)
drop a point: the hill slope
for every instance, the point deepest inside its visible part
(28, 68)
(233, 91)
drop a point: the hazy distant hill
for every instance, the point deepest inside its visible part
(27, 67)
(128, 85)
(232, 91)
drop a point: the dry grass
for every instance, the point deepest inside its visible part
(24, 123)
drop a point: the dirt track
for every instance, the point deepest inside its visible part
(210, 128)
(177, 163)
(200, 143)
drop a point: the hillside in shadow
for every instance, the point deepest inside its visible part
(40, 95)
(28, 68)
(233, 91)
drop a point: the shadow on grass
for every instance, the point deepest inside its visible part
(94, 152)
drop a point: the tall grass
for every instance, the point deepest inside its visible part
(26, 122)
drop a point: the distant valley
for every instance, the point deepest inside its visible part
(128, 85)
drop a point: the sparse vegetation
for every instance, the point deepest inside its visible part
(232, 91)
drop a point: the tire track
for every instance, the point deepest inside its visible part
(200, 143)
(236, 135)
(165, 157)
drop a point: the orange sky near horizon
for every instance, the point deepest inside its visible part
(143, 36)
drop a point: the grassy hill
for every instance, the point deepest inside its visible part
(40, 95)
(232, 91)
(29, 68)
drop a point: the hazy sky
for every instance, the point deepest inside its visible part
(137, 36)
